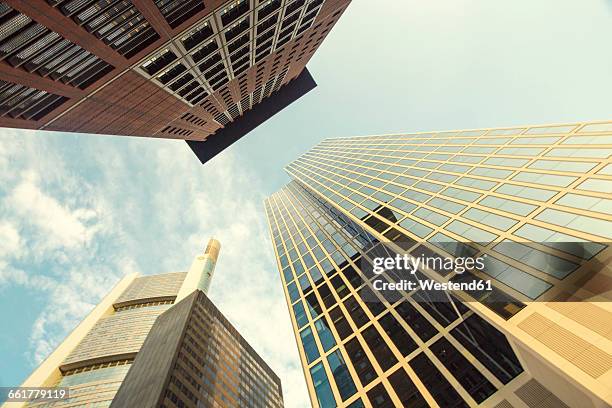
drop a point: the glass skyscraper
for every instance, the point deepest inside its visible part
(158, 341)
(535, 202)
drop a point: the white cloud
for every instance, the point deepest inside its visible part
(10, 240)
(60, 226)
(117, 205)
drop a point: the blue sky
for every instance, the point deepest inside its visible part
(77, 211)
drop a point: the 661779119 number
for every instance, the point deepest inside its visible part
(24, 394)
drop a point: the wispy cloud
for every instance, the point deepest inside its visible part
(77, 213)
(59, 226)
(10, 240)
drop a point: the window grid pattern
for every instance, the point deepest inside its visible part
(532, 186)
(310, 243)
(122, 332)
(116, 22)
(96, 367)
(486, 186)
(22, 102)
(216, 367)
(30, 46)
(236, 110)
(224, 46)
(177, 12)
(92, 386)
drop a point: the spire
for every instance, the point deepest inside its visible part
(201, 271)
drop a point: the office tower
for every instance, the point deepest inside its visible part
(535, 201)
(158, 341)
(198, 70)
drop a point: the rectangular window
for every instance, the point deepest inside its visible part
(520, 151)
(489, 346)
(415, 227)
(300, 314)
(177, 12)
(547, 263)
(563, 242)
(467, 159)
(470, 232)
(344, 381)
(405, 389)
(356, 312)
(498, 140)
(379, 397)
(294, 293)
(517, 279)
(197, 36)
(579, 167)
(398, 335)
(596, 127)
(490, 219)
(468, 376)
(268, 8)
(310, 346)
(340, 323)
(314, 307)
(325, 396)
(326, 337)
(601, 153)
(430, 216)
(479, 150)
(530, 193)
(340, 287)
(403, 205)
(489, 172)
(371, 300)
(459, 194)
(416, 321)
(583, 223)
(550, 129)
(603, 205)
(298, 267)
(511, 206)
(305, 283)
(315, 274)
(442, 311)
(360, 361)
(547, 141)
(385, 357)
(353, 277)
(476, 183)
(326, 294)
(546, 179)
(602, 186)
(455, 168)
(438, 386)
(589, 140)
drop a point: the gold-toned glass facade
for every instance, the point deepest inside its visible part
(151, 346)
(96, 367)
(536, 200)
(93, 386)
(216, 367)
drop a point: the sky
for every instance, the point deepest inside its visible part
(77, 212)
